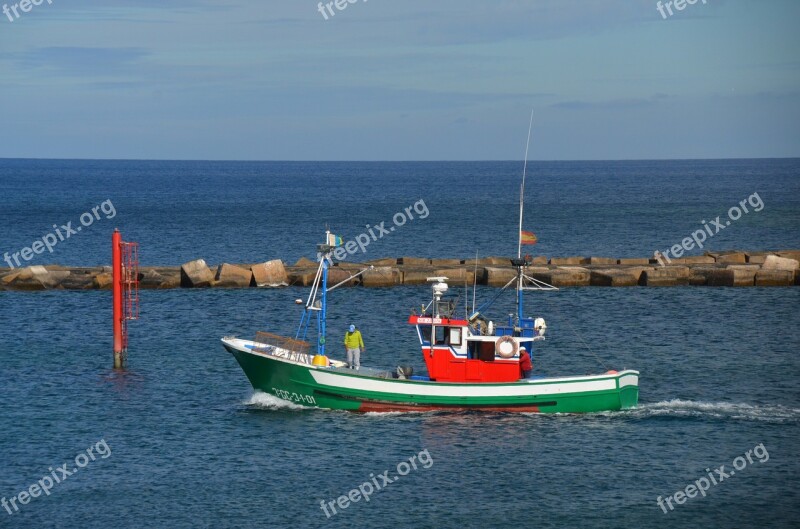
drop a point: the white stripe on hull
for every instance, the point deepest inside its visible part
(455, 390)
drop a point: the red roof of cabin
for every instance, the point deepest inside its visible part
(428, 320)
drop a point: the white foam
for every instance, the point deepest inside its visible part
(260, 399)
(722, 410)
(386, 413)
(673, 408)
(689, 408)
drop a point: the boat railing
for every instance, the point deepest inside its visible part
(283, 347)
(446, 306)
(364, 371)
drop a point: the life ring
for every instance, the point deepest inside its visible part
(506, 351)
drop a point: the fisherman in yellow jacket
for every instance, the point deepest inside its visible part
(354, 344)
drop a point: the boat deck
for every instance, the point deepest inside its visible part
(363, 371)
(339, 366)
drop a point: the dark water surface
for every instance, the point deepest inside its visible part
(192, 446)
(250, 212)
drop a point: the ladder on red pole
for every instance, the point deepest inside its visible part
(130, 287)
(125, 268)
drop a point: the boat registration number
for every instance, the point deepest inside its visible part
(293, 397)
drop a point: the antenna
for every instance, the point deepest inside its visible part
(522, 187)
(519, 263)
(466, 296)
(474, 280)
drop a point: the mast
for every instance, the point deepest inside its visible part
(323, 314)
(522, 189)
(322, 289)
(519, 263)
(318, 301)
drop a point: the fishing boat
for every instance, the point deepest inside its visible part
(471, 363)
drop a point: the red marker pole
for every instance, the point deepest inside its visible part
(116, 265)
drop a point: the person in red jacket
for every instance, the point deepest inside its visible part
(525, 365)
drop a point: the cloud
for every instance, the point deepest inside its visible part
(80, 61)
(455, 22)
(622, 103)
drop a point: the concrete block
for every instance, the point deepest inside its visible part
(301, 276)
(9, 277)
(789, 254)
(775, 278)
(602, 261)
(634, 261)
(773, 262)
(566, 276)
(305, 262)
(336, 275)
(78, 280)
(385, 261)
(498, 277)
(163, 278)
(150, 279)
(381, 276)
(447, 262)
(488, 261)
(698, 275)
(231, 276)
(455, 276)
(196, 274)
(614, 277)
(271, 274)
(34, 278)
(103, 281)
(731, 258)
(53, 279)
(415, 261)
(719, 277)
(665, 276)
(416, 276)
(743, 275)
(755, 258)
(698, 259)
(569, 261)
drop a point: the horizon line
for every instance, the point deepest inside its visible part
(399, 161)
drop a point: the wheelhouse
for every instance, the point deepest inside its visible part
(474, 350)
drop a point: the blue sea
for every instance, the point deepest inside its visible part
(180, 439)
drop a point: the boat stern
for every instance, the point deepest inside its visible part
(628, 387)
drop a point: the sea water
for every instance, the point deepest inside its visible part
(192, 445)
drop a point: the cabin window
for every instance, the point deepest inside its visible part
(455, 335)
(480, 350)
(425, 332)
(441, 335)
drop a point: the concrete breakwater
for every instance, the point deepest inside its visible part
(732, 269)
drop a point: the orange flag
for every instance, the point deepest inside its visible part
(528, 237)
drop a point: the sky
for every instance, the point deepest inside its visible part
(399, 80)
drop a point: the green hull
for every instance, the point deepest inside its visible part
(343, 389)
